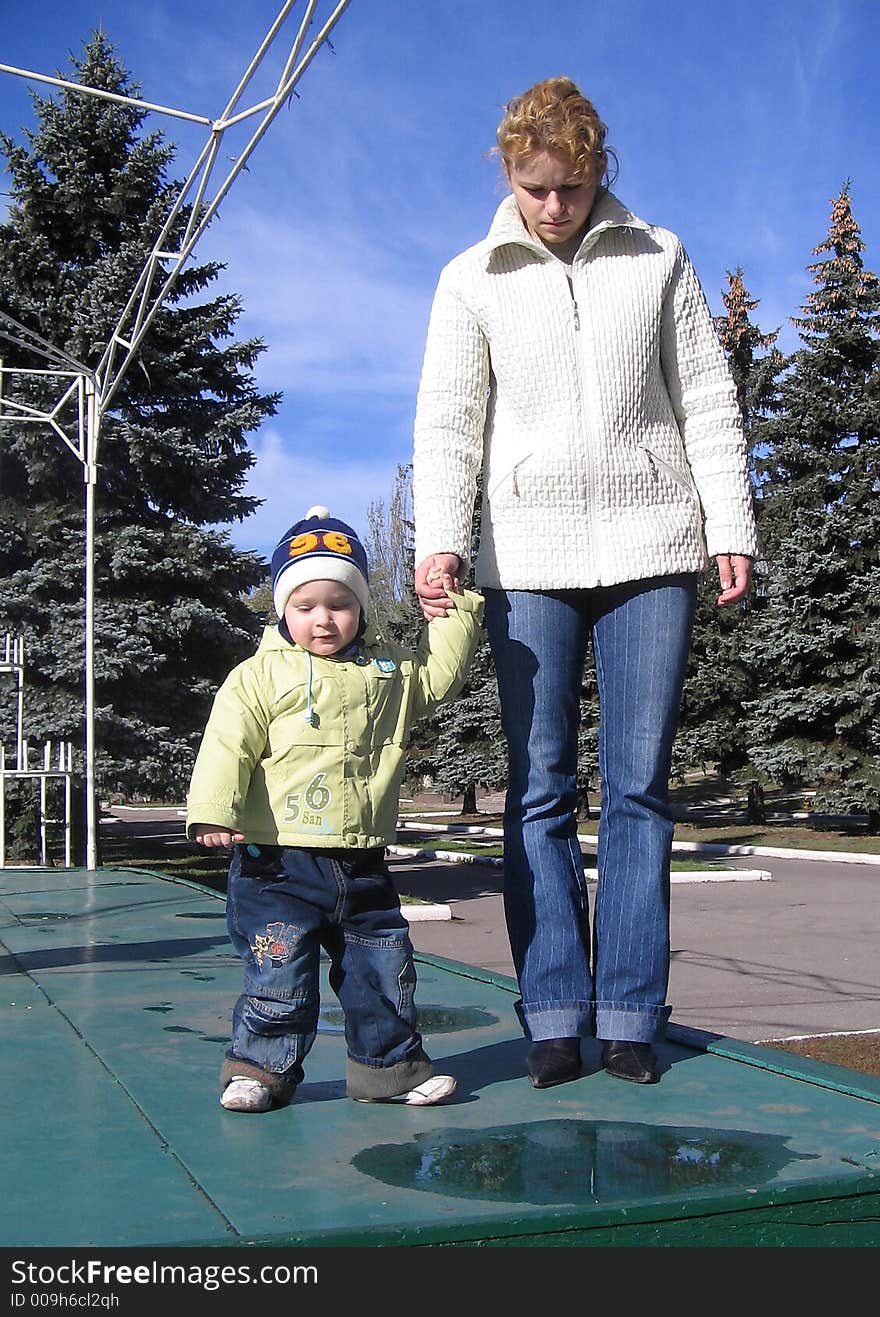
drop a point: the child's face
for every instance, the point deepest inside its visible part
(322, 616)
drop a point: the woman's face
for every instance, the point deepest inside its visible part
(554, 203)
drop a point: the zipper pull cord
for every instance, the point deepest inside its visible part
(311, 716)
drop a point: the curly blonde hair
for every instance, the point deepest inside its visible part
(554, 115)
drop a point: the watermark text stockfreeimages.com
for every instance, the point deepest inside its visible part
(49, 1285)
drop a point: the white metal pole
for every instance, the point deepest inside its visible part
(90, 475)
(67, 765)
(18, 651)
(44, 801)
(2, 807)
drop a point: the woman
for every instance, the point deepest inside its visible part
(572, 362)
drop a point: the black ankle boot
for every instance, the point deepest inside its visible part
(627, 1060)
(553, 1061)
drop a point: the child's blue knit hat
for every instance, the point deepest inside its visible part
(319, 548)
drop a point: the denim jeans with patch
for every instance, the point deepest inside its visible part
(613, 982)
(283, 906)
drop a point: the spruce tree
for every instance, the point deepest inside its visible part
(588, 777)
(713, 731)
(461, 746)
(394, 608)
(816, 723)
(90, 193)
(470, 749)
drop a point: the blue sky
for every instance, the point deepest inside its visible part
(734, 125)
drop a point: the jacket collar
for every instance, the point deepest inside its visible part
(507, 226)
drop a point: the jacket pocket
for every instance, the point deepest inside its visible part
(510, 474)
(663, 470)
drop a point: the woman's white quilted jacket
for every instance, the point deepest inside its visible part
(602, 413)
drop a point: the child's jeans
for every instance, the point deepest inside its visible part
(283, 905)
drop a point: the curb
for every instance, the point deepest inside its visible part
(684, 876)
(719, 876)
(459, 857)
(779, 852)
(693, 847)
(416, 914)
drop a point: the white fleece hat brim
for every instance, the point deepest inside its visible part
(319, 567)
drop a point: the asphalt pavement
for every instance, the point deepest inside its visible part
(792, 956)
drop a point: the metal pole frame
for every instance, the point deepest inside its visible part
(158, 276)
(12, 661)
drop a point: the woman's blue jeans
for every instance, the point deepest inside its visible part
(614, 983)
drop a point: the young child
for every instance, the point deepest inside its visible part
(299, 770)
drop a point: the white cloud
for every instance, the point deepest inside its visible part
(292, 482)
(337, 315)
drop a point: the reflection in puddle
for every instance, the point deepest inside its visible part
(451, 1019)
(577, 1161)
(431, 1019)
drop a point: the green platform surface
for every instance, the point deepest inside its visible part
(116, 996)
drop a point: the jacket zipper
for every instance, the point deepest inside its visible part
(590, 455)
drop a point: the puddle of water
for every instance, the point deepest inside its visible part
(452, 1019)
(577, 1161)
(431, 1019)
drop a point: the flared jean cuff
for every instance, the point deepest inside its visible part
(631, 1023)
(375, 1082)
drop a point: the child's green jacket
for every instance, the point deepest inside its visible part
(307, 751)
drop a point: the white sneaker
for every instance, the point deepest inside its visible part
(436, 1089)
(243, 1094)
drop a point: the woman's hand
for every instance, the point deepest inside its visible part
(434, 600)
(735, 576)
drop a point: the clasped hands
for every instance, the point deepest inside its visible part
(437, 574)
